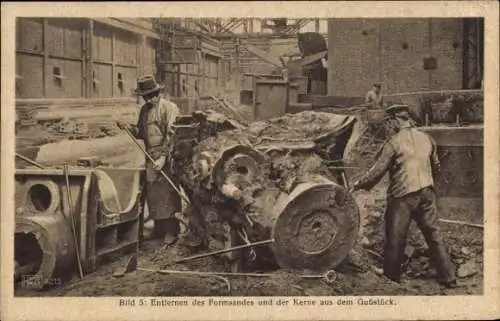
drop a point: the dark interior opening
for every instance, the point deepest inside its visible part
(28, 255)
(57, 76)
(120, 83)
(242, 170)
(316, 225)
(40, 197)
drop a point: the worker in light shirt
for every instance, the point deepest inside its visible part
(374, 96)
(410, 158)
(154, 127)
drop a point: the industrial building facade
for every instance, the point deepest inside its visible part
(82, 58)
(102, 58)
(406, 55)
(95, 59)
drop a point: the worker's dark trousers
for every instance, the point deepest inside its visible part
(421, 207)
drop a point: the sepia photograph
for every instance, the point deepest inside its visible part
(187, 161)
(248, 157)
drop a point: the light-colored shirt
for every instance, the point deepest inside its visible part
(154, 127)
(411, 159)
(155, 123)
(374, 98)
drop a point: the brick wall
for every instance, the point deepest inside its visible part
(361, 51)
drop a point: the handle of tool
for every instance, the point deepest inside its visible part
(152, 161)
(32, 162)
(244, 237)
(73, 224)
(239, 247)
(345, 181)
(461, 223)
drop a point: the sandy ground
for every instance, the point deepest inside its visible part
(281, 283)
(465, 247)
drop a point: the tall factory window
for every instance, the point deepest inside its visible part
(125, 58)
(29, 58)
(65, 51)
(29, 35)
(102, 61)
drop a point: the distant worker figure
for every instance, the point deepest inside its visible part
(374, 96)
(154, 127)
(410, 158)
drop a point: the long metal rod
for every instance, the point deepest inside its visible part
(329, 276)
(204, 273)
(239, 247)
(73, 224)
(461, 223)
(32, 162)
(161, 171)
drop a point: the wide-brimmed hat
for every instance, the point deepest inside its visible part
(147, 85)
(398, 110)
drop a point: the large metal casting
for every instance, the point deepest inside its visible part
(249, 186)
(107, 208)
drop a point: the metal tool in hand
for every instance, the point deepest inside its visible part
(251, 255)
(182, 195)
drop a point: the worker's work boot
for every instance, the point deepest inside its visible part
(171, 231)
(148, 231)
(449, 284)
(159, 229)
(192, 240)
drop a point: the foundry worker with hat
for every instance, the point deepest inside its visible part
(154, 127)
(374, 96)
(410, 158)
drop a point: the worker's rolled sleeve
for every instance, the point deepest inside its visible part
(378, 170)
(436, 165)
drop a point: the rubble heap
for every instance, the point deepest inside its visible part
(272, 179)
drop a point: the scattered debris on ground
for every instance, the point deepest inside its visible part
(355, 276)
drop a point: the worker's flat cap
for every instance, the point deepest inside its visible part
(377, 84)
(397, 109)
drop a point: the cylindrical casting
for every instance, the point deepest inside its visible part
(316, 226)
(45, 242)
